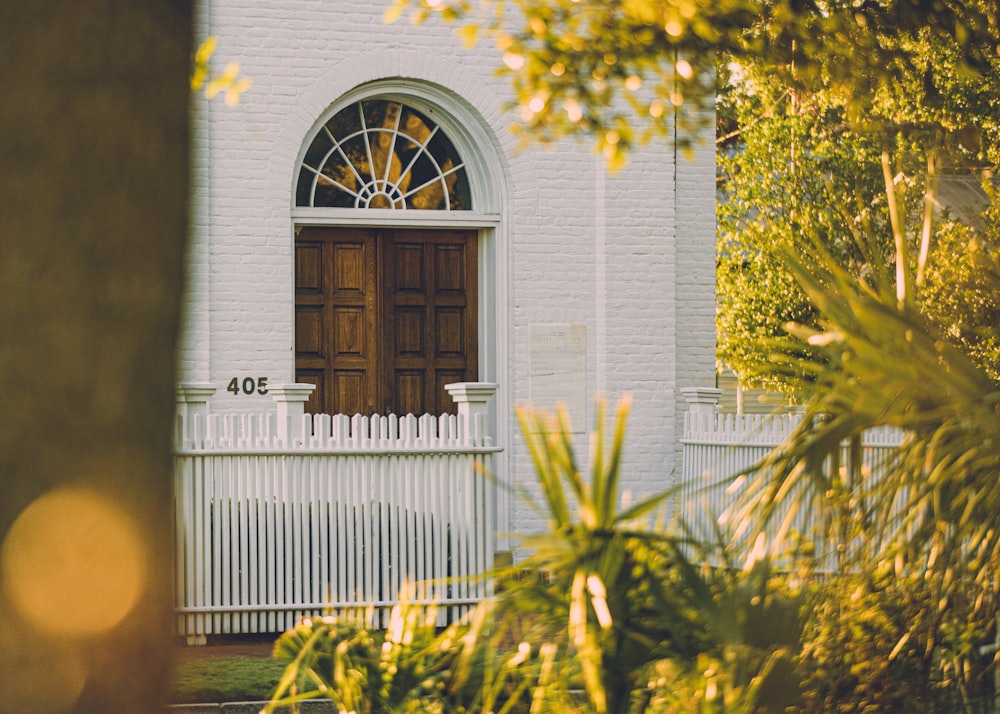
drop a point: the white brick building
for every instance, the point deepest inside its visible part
(578, 283)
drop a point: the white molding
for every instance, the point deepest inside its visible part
(392, 218)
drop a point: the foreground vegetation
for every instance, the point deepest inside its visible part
(615, 611)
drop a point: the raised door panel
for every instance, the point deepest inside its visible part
(350, 392)
(449, 337)
(409, 392)
(410, 327)
(350, 331)
(317, 377)
(310, 342)
(450, 270)
(349, 269)
(443, 377)
(409, 268)
(309, 267)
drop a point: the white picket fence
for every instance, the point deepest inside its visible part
(329, 515)
(717, 447)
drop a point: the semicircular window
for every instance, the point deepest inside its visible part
(381, 153)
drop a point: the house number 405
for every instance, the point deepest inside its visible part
(248, 385)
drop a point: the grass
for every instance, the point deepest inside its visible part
(225, 679)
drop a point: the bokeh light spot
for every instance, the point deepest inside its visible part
(73, 562)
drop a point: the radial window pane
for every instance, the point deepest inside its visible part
(303, 189)
(345, 122)
(382, 154)
(380, 113)
(458, 190)
(442, 150)
(318, 150)
(430, 197)
(416, 125)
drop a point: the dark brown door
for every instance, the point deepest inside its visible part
(384, 318)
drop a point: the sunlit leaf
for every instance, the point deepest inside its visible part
(469, 35)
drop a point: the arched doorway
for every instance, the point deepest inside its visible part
(391, 244)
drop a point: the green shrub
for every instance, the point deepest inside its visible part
(887, 642)
(401, 670)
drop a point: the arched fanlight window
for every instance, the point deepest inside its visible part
(380, 153)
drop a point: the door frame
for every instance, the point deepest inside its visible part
(489, 180)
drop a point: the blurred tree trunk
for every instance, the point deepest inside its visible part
(93, 220)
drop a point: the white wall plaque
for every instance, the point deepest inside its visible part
(558, 370)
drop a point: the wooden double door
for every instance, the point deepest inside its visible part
(384, 318)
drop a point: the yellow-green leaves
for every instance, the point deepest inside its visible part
(469, 35)
(229, 83)
(199, 73)
(645, 11)
(394, 11)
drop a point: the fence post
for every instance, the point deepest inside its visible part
(192, 408)
(291, 399)
(472, 399)
(702, 403)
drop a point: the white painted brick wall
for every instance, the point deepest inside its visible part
(631, 256)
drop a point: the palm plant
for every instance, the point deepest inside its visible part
(928, 518)
(886, 364)
(595, 582)
(613, 612)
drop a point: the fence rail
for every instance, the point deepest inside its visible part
(328, 515)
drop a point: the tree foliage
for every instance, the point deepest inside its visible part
(622, 72)
(901, 329)
(790, 173)
(962, 293)
(798, 168)
(229, 82)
